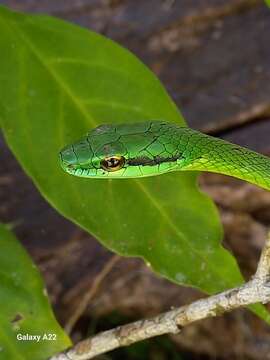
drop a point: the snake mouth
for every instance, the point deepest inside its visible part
(68, 168)
(71, 167)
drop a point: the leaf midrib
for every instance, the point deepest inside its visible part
(66, 89)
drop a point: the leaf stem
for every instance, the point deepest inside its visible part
(90, 294)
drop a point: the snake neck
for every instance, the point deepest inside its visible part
(201, 152)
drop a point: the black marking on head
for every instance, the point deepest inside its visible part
(156, 160)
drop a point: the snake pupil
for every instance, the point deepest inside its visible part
(113, 163)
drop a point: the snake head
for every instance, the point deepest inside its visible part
(119, 151)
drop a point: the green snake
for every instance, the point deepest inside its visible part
(150, 148)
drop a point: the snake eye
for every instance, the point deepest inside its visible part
(112, 163)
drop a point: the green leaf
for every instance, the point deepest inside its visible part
(267, 2)
(58, 81)
(24, 306)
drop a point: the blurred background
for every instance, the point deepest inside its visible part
(213, 56)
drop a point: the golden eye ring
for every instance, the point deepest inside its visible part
(112, 163)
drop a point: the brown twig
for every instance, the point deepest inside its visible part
(89, 295)
(257, 290)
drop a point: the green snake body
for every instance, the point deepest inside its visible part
(151, 148)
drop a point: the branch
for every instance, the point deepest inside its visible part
(257, 290)
(263, 268)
